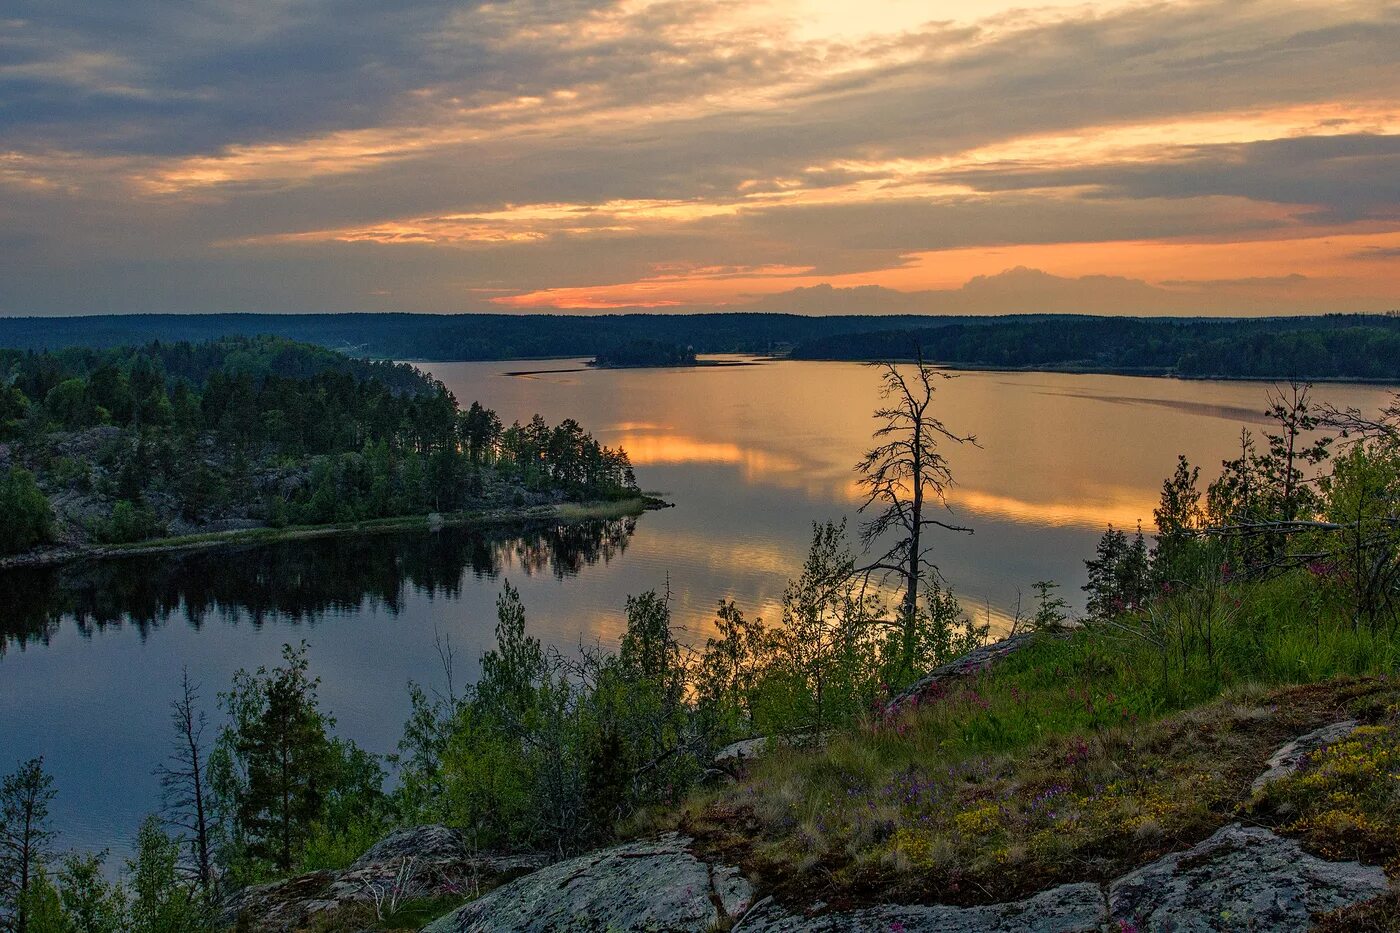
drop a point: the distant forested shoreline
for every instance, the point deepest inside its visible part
(1332, 346)
(1355, 347)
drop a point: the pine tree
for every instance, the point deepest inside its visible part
(275, 761)
(25, 837)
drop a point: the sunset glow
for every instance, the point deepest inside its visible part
(988, 157)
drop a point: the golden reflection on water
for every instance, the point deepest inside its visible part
(1053, 449)
(752, 454)
(652, 449)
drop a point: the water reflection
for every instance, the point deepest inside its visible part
(292, 582)
(750, 455)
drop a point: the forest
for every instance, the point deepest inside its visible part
(1183, 673)
(129, 444)
(643, 352)
(1333, 346)
(1363, 347)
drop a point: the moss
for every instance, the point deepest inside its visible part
(1344, 802)
(988, 827)
(1381, 915)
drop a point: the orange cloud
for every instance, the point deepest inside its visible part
(1335, 266)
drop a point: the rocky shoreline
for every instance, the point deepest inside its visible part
(1239, 878)
(261, 533)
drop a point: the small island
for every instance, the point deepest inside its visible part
(644, 352)
(178, 445)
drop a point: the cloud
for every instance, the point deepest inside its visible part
(1378, 253)
(1033, 291)
(1014, 291)
(251, 154)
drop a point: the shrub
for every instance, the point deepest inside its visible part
(28, 515)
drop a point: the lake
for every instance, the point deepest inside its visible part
(751, 456)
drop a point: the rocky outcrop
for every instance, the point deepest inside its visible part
(732, 761)
(977, 660)
(1071, 908)
(422, 861)
(1290, 757)
(1241, 878)
(655, 885)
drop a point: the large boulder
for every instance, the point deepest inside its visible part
(421, 861)
(644, 886)
(1241, 878)
(1070, 908)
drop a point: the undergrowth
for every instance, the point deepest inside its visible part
(1074, 759)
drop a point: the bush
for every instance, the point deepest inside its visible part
(28, 515)
(129, 523)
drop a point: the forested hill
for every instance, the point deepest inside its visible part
(1329, 347)
(257, 358)
(453, 336)
(122, 445)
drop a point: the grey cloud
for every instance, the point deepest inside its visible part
(1352, 176)
(1032, 291)
(1378, 253)
(198, 76)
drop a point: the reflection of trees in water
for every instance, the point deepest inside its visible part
(292, 581)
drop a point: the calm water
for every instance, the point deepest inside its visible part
(751, 455)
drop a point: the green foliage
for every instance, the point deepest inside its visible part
(154, 898)
(161, 902)
(28, 515)
(277, 774)
(1345, 800)
(1177, 553)
(267, 430)
(71, 406)
(1119, 574)
(1362, 498)
(91, 904)
(554, 754)
(25, 838)
(941, 632)
(730, 678)
(40, 909)
(14, 409)
(130, 522)
(1051, 610)
(549, 753)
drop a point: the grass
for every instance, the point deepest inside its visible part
(1345, 802)
(1074, 759)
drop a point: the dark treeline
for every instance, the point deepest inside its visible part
(451, 336)
(125, 444)
(645, 352)
(1328, 346)
(291, 581)
(1331, 347)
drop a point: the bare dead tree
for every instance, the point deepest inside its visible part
(1353, 426)
(183, 781)
(905, 477)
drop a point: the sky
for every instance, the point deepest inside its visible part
(861, 156)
